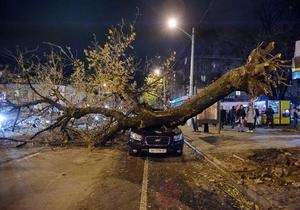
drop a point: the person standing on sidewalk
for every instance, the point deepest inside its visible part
(295, 118)
(270, 117)
(250, 116)
(232, 116)
(256, 116)
(240, 115)
(222, 117)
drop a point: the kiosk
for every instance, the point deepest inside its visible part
(281, 109)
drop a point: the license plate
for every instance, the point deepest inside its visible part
(157, 150)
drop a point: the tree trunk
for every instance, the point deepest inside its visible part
(259, 75)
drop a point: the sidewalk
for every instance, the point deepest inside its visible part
(230, 140)
(265, 163)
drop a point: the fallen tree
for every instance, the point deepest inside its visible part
(105, 84)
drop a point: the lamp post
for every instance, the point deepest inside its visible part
(172, 23)
(191, 93)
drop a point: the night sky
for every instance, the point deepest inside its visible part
(28, 23)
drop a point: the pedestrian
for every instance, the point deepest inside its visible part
(270, 117)
(227, 118)
(256, 116)
(295, 117)
(222, 117)
(195, 124)
(232, 116)
(250, 117)
(240, 115)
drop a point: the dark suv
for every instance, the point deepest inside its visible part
(161, 140)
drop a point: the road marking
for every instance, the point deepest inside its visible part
(143, 202)
(29, 156)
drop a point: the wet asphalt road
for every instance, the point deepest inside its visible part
(186, 182)
(111, 179)
(189, 182)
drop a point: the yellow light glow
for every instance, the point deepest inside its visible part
(157, 71)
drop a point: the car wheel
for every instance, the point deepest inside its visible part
(177, 154)
(132, 153)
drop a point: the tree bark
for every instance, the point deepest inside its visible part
(229, 82)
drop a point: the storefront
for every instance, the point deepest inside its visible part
(281, 110)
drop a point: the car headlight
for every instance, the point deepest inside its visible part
(136, 136)
(2, 118)
(178, 137)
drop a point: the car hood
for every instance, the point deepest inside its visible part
(161, 131)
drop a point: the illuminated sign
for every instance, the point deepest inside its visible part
(296, 68)
(296, 62)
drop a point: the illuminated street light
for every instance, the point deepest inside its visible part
(157, 71)
(172, 23)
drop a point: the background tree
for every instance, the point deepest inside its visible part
(159, 81)
(154, 95)
(278, 23)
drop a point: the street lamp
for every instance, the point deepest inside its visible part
(157, 72)
(172, 23)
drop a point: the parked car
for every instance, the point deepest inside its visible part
(161, 140)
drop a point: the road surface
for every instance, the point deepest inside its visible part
(77, 178)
